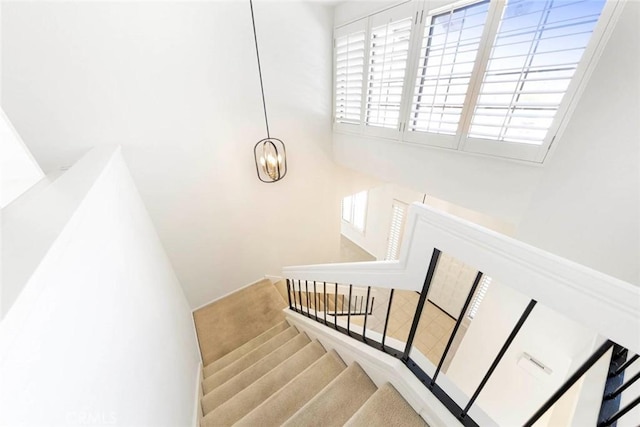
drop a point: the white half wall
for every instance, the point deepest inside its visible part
(18, 169)
(101, 333)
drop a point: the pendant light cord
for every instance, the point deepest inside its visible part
(255, 37)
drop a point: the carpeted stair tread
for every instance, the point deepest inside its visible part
(386, 408)
(233, 369)
(289, 399)
(251, 397)
(341, 398)
(224, 392)
(247, 347)
(226, 324)
(281, 287)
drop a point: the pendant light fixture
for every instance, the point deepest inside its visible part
(269, 153)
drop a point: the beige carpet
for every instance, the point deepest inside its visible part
(228, 323)
(279, 376)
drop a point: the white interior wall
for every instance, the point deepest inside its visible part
(581, 204)
(547, 336)
(102, 333)
(18, 169)
(176, 85)
(587, 205)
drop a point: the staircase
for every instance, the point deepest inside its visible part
(281, 377)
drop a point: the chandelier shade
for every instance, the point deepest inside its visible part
(271, 159)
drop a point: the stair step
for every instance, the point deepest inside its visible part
(386, 407)
(289, 399)
(247, 360)
(247, 347)
(341, 398)
(251, 397)
(317, 300)
(231, 321)
(244, 379)
(281, 287)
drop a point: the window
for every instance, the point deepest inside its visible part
(536, 52)
(495, 77)
(388, 54)
(479, 296)
(398, 215)
(449, 48)
(349, 60)
(354, 210)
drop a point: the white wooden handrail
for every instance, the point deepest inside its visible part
(603, 303)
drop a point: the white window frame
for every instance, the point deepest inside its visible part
(397, 13)
(461, 142)
(435, 139)
(351, 221)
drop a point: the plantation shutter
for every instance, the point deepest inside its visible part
(398, 216)
(536, 52)
(349, 57)
(479, 296)
(449, 47)
(388, 52)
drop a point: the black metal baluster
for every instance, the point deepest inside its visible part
(361, 302)
(615, 417)
(306, 286)
(501, 353)
(386, 320)
(421, 301)
(300, 296)
(366, 314)
(342, 305)
(293, 291)
(623, 387)
(622, 368)
(569, 382)
(335, 309)
(349, 312)
(315, 300)
(456, 327)
(289, 294)
(371, 307)
(324, 300)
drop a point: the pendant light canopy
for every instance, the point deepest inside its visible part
(269, 154)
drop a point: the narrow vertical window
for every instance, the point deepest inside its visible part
(349, 75)
(354, 210)
(388, 54)
(479, 296)
(398, 215)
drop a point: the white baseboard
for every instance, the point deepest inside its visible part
(197, 410)
(229, 293)
(273, 279)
